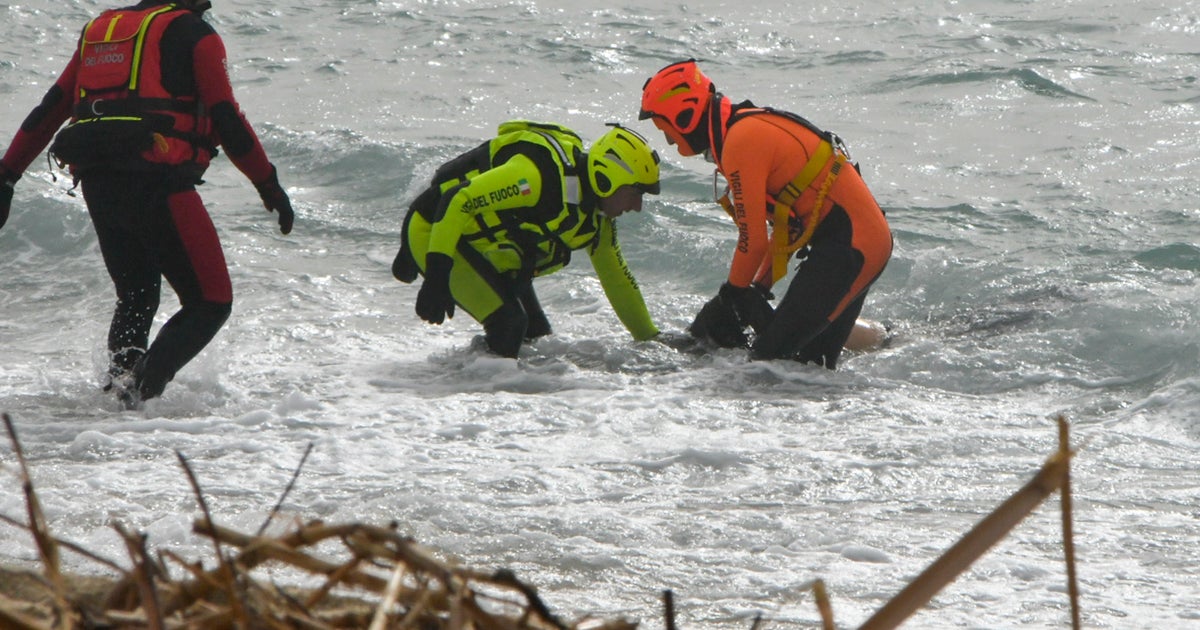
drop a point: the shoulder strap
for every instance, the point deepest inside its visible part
(829, 153)
(563, 142)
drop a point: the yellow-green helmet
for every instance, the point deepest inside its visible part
(622, 157)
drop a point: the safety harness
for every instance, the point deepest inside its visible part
(830, 153)
(552, 231)
(114, 121)
(826, 154)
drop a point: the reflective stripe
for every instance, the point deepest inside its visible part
(572, 188)
(562, 154)
(135, 69)
(112, 55)
(544, 235)
(112, 26)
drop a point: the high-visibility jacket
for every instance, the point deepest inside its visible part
(521, 200)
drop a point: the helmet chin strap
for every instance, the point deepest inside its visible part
(716, 127)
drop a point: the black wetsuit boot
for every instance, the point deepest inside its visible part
(505, 329)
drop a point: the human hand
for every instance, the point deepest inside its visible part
(718, 323)
(434, 302)
(750, 304)
(763, 289)
(276, 200)
(678, 341)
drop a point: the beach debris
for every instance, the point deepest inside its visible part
(365, 576)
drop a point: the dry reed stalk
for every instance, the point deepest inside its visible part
(974, 544)
(389, 598)
(668, 599)
(135, 544)
(70, 546)
(14, 620)
(333, 579)
(1064, 450)
(228, 574)
(65, 613)
(286, 491)
(823, 604)
(386, 546)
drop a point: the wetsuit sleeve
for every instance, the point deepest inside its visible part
(619, 285)
(40, 125)
(513, 184)
(233, 131)
(746, 164)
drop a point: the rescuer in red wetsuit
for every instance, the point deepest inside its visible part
(791, 191)
(149, 100)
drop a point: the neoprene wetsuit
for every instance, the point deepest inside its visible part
(149, 219)
(511, 210)
(762, 152)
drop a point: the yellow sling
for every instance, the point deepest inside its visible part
(780, 249)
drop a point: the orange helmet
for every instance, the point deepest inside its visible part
(678, 94)
(677, 98)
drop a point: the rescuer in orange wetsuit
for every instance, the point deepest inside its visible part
(791, 191)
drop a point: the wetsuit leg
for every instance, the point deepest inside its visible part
(826, 348)
(820, 285)
(483, 287)
(539, 325)
(149, 228)
(193, 263)
(505, 329)
(179, 341)
(133, 268)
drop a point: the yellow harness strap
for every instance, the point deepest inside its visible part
(781, 250)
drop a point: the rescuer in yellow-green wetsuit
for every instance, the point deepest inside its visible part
(514, 208)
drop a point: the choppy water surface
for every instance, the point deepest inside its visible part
(1039, 166)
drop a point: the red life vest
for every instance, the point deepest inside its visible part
(120, 79)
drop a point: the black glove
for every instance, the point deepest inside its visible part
(404, 267)
(718, 323)
(750, 304)
(434, 303)
(766, 292)
(7, 180)
(678, 341)
(276, 200)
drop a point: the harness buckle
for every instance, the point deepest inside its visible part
(840, 145)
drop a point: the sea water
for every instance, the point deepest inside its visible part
(1038, 162)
